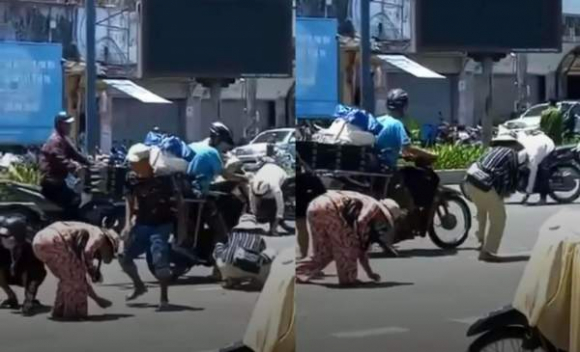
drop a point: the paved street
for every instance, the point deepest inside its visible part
(205, 317)
(427, 300)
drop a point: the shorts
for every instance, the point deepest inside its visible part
(154, 239)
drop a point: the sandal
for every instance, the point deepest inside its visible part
(10, 303)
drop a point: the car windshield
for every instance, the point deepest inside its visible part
(536, 111)
(272, 137)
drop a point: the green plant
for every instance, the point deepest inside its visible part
(23, 173)
(451, 157)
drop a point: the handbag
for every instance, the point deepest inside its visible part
(248, 260)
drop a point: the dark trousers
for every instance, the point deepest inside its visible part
(543, 178)
(20, 267)
(59, 193)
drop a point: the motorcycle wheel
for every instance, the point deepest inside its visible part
(565, 197)
(507, 339)
(448, 220)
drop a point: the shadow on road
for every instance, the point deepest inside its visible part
(362, 285)
(37, 311)
(94, 318)
(193, 280)
(170, 308)
(426, 253)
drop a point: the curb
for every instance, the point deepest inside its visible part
(451, 177)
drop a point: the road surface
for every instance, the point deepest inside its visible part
(205, 317)
(427, 299)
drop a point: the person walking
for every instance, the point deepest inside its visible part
(488, 181)
(341, 223)
(552, 122)
(69, 249)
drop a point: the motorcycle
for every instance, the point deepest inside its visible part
(507, 327)
(563, 166)
(27, 201)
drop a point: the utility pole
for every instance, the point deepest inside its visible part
(487, 123)
(91, 114)
(366, 81)
(522, 78)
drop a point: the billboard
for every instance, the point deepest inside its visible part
(30, 91)
(572, 7)
(317, 80)
(484, 26)
(216, 38)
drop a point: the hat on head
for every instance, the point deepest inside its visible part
(390, 209)
(113, 238)
(248, 222)
(64, 117)
(138, 152)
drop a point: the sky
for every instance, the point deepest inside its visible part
(572, 6)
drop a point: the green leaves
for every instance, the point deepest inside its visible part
(23, 173)
(452, 157)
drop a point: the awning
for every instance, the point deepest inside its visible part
(410, 66)
(136, 91)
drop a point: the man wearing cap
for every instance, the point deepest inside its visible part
(488, 181)
(19, 266)
(244, 257)
(266, 195)
(58, 159)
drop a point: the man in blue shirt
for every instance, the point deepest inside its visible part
(206, 165)
(393, 139)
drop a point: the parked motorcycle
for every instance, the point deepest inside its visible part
(507, 330)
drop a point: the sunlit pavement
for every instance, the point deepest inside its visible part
(427, 300)
(204, 317)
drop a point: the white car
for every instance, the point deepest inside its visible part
(530, 120)
(283, 138)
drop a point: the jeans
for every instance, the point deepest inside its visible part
(154, 239)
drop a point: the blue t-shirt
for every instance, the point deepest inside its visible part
(206, 164)
(392, 138)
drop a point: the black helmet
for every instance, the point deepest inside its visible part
(397, 99)
(221, 131)
(63, 116)
(13, 227)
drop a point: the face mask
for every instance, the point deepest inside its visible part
(8, 242)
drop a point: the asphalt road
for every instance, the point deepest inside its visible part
(427, 299)
(204, 317)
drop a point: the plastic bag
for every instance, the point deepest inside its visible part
(164, 163)
(359, 118)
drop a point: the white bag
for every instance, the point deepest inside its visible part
(164, 163)
(341, 132)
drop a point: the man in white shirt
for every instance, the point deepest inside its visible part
(266, 186)
(537, 146)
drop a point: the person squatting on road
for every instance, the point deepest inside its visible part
(244, 258)
(308, 188)
(69, 249)
(19, 266)
(341, 223)
(488, 181)
(537, 146)
(266, 197)
(58, 159)
(149, 223)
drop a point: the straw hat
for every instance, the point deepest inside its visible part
(390, 209)
(113, 238)
(260, 188)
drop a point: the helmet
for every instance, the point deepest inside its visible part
(397, 99)
(221, 131)
(13, 227)
(63, 116)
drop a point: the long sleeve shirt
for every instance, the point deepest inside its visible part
(274, 176)
(58, 157)
(537, 148)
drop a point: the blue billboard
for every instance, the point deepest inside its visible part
(30, 91)
(316, 67)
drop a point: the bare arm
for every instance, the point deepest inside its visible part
(420, 153)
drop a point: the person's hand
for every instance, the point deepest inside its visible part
(103, 303)
(126, 234)
(375, 277)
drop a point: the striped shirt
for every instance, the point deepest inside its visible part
(239, 239)
(499, 167)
